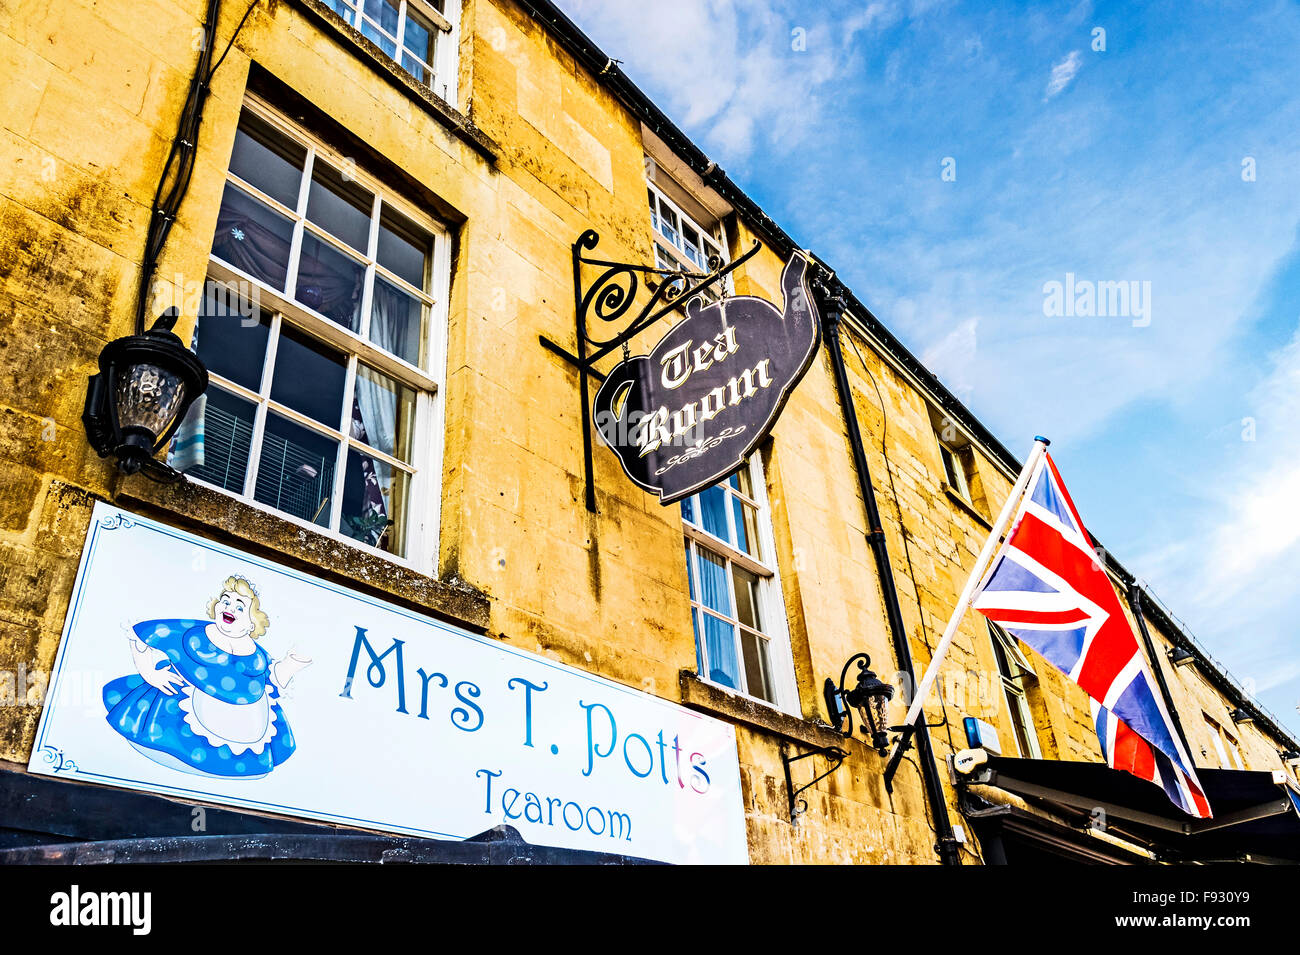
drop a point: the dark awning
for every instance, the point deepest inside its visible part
(1255, 813)
(47, 820)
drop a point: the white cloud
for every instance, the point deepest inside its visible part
(952, 358)
(1232, 574)
(1278, 676)
(1063, 73)
(738, 75)
(1258, 533)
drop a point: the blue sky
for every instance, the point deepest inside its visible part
(1170, 157)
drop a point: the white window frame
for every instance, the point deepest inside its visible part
(674, 253)
(1216, 737)
(446, 43)
(424, 492)
(771, 602)
(950, 451)
(1015, 695)
(1234, 750)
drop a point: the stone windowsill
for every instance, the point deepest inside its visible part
(701, 695)
(460, 125)
(211, 513)
(967, 506)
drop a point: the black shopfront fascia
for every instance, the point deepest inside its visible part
(46, 820)
(1256, 815)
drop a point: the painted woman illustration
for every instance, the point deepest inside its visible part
(206, 697)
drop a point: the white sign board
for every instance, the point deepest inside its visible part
(192, 669)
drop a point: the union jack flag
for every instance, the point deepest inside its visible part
(1048, 588)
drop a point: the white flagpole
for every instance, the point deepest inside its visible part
(977, 574)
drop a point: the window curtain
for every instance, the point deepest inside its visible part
(188, 444)
(713, 512)
(374, 411)
(719, 636)
(251, 247)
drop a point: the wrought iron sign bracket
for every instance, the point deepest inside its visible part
(799, 806)
(606, 302)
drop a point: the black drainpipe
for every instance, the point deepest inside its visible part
(833, 311)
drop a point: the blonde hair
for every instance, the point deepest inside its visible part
(241, 586)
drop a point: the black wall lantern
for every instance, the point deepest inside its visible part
(870, 698)
(145, 385)
(1181, 657)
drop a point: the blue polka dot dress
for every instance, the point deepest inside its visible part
(172, 730)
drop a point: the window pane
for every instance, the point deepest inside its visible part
(383, 413)
(340, 208)
(668, 224)
(418, 38)
(713, 511)
(213, 441)
(688, 510)
(379, 25)
(1015, 709)
(746, 527)
(413, 65)
(758, 677)
(741, 482)
(267, 160)
(948, 468)
(343, 8)
(295, 472)
(397, 321)
(699, 643)
(690, 571)
(691, 245)
(710, 248)
(746, 586)
(330, 282)
(308, 376)
(374, 503)
(253, 237)
(663, 260)
(383, 13)
(230, 337)
(377, 37)
(720, 649)
(1000, 655)
(714, 592)
(402, 247)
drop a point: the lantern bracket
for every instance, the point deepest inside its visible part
(607, 301)
(799, 806)
(869, 693)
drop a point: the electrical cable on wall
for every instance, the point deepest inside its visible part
(179, 167)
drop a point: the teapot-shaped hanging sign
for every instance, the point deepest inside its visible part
(689, 413)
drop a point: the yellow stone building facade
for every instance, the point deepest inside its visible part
(487, 135)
